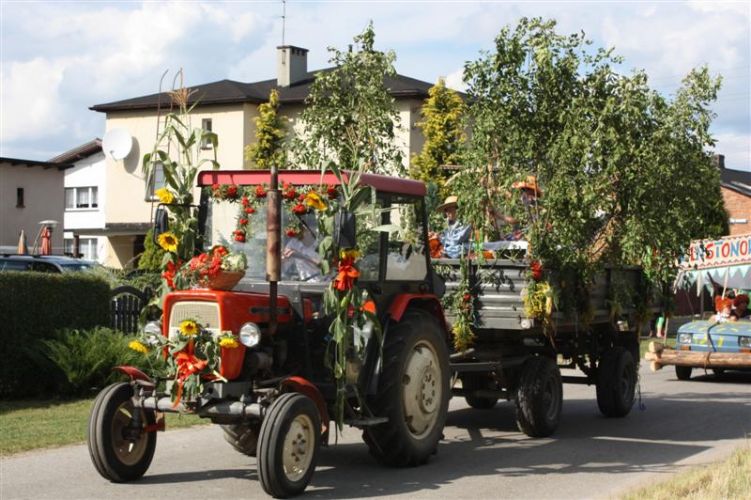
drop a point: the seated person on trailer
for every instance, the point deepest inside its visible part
(529, 194)
(300, 258)
(740, 308)
(454, 240)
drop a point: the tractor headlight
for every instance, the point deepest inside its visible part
(250, 335)
(684, 338)
(744, 342)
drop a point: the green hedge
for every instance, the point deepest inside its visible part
(33, 306)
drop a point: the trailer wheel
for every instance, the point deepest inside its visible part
(539, 397)
(119, 452)
(242, 437)
(413, 392)
(288, 445)
(683, 372)
(616, 382)
(473, 382)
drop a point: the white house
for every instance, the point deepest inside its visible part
(84, 194)
(228, 108)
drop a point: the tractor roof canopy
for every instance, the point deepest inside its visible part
(382, 183)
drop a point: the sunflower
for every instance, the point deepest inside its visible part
(350, 254)
(168, 241)
(313, 199)
(228, 342)
(189, 328)
(138, 346)
(164, 195)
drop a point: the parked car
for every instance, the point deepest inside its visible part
(44, 263)
(722, 346)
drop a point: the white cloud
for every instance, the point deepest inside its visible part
(455, 80)
(32, 104)
(737, 149)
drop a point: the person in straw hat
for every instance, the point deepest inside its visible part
(455, 237)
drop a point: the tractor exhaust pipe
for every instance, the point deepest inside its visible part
(273, 246)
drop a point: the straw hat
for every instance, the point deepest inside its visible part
(530, 184)
(451, 201)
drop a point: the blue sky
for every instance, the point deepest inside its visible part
(59, 58)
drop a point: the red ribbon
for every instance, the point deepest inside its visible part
(348, 273)
(187, 364)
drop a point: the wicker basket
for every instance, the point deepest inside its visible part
(225, 280)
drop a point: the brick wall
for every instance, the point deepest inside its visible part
(738, 206)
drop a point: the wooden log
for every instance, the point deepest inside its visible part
(654, 366)
(655, 346)
(700, 359)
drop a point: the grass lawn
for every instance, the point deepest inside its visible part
(28, 425)
(728, 479)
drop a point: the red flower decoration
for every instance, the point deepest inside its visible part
(535, 267)
(250, 210)
(260, 191)
(291, 232)
(466, 297)
(169, 273)
(216, 187)
(245, 201)
(239, 236)
(289, 191)
(348, 273)
(232, 192)
(299, 209)
(301, 198)
(243, 222)
(332, 192)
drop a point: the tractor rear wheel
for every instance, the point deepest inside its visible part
(472, 382)
(413, 392)
(242, 437)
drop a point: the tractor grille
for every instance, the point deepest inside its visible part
(205, 313)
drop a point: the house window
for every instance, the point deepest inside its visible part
(87, 248)
(206, 126)
(19, 198)
(156, 181)
(81, 198)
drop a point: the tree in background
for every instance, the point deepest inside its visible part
(269, 148)
(349, 115)
(624, 173)
(442, 126)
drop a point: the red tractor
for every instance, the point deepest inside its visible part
(275, 394)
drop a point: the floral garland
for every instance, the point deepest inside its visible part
(539, 298)
(194, 357)
(295, 201)
(462, 304)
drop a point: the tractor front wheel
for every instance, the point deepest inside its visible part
(288, 445)
(120, 449)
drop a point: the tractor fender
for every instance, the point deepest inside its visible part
(425, 301)
(303, 386)
(134, 373)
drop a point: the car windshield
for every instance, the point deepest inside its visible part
(76, 266)
(300, 258)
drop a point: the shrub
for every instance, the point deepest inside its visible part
(152, 256)
(32, 308)
(85, 358)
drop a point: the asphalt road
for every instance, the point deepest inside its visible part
(483, 455)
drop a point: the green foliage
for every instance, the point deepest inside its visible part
(179, 150)
(270, 136)
(350, 116)
(86, 357)
(624, 174)
(34, 306)
(442, 127)
(152, 256)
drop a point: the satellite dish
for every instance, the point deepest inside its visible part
(117, 143)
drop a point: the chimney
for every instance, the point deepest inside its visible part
(291, 65)
(719, 161)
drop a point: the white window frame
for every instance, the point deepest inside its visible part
(87, 247)
(206, 126)
(75, 189)
(151, 183)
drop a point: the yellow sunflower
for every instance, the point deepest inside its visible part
(313, 199)
(189, 328)
(168, 241)
(164, 195)
(228, 342)
(350, 253)
(138, 346)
